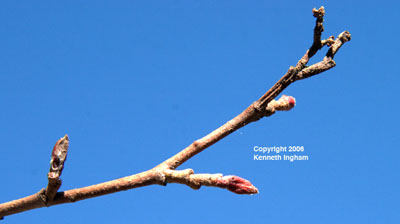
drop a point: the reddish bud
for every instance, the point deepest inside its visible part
(290, 99)
(284, 103)
(238, 185)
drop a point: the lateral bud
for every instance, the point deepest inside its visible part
(284, 103)
(59, 155)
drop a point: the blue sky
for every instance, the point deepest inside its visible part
(132, 83)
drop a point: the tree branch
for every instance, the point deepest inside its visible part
(165, 172)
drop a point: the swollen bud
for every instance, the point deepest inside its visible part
(289, 100)
(284, 103)
(237, 185)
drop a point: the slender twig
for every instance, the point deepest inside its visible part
(165, 172)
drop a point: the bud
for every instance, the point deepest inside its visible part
(237, 185)
(284, 103)
(59, 155)
(289, 100)
(319, 13)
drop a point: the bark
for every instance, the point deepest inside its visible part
(165, 172)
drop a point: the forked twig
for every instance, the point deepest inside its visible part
(165, 172)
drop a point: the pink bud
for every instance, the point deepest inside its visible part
(238, 185)
(284, 103)
(290, 99)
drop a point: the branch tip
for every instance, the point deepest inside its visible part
(58, 157)
(234, 184)
(238, 185)
(345, 36)
(319, 13)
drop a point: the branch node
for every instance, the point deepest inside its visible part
(42, 197)
(329, 41)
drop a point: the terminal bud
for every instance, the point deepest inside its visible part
(237, 185)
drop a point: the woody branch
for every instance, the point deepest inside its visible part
(165, 172)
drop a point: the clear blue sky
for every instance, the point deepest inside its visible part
(134, 83)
